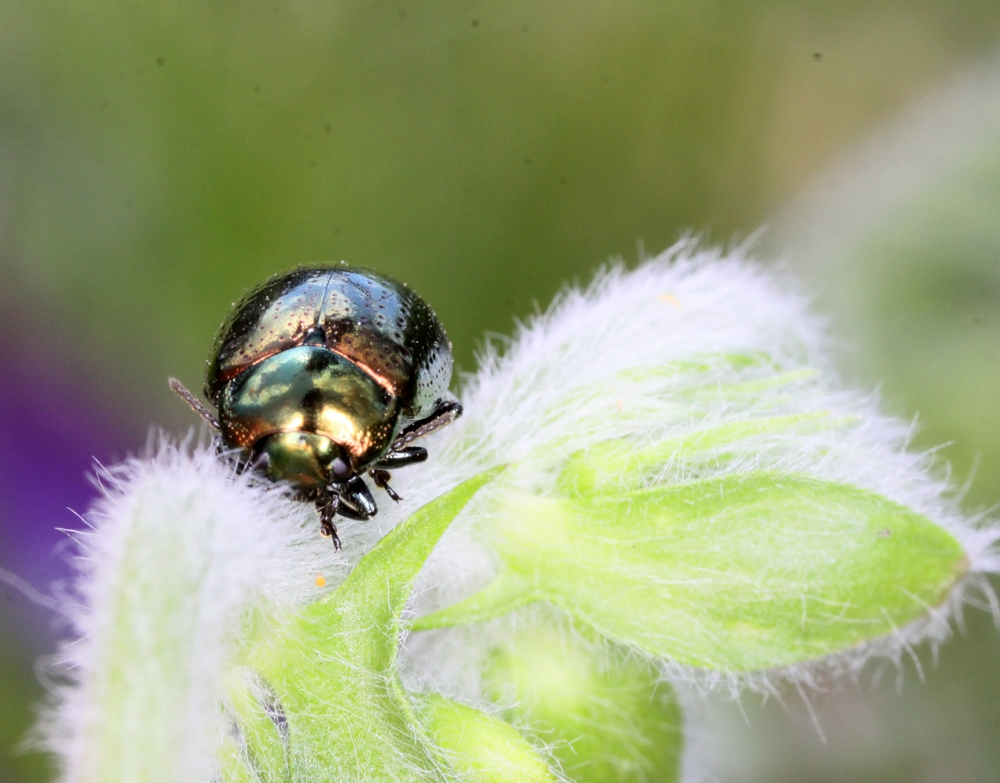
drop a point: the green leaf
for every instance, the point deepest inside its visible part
(258, 749)
(480, 747)
(605, 714)
(736, 573)
(620, 466)
(504, 594)
(330, 672)
(234, 765)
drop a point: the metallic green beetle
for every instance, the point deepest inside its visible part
(324, 373)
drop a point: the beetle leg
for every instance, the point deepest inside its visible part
(381, 479)
(445, 413)
(196, 405)
(328, 508)
(409, 455)
(356, 501)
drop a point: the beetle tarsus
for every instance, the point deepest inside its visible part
(329, 530)
(196, 405)
(381, 479)
(327, 527)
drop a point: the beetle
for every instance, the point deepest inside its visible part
(323, 374)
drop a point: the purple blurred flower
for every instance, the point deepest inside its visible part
(51, 430)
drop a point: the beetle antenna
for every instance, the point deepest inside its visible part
(196, 405)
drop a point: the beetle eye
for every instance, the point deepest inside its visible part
(340, 469)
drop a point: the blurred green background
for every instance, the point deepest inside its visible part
(158, 158)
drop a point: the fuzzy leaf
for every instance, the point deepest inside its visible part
(619, 466)
(735, 573)
(332, 668)
(481, 748)
(234, 766)
(606, 715)
(258, 748)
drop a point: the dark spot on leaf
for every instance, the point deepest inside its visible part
(817, 56)
(277, 715)
(475, 23)
(160, 60)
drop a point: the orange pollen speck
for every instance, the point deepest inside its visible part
(320, 581)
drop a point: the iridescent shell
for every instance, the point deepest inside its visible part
(341, 352)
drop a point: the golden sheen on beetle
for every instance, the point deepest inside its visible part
(323, 374)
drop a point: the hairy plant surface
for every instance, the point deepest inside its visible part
(658, 481)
